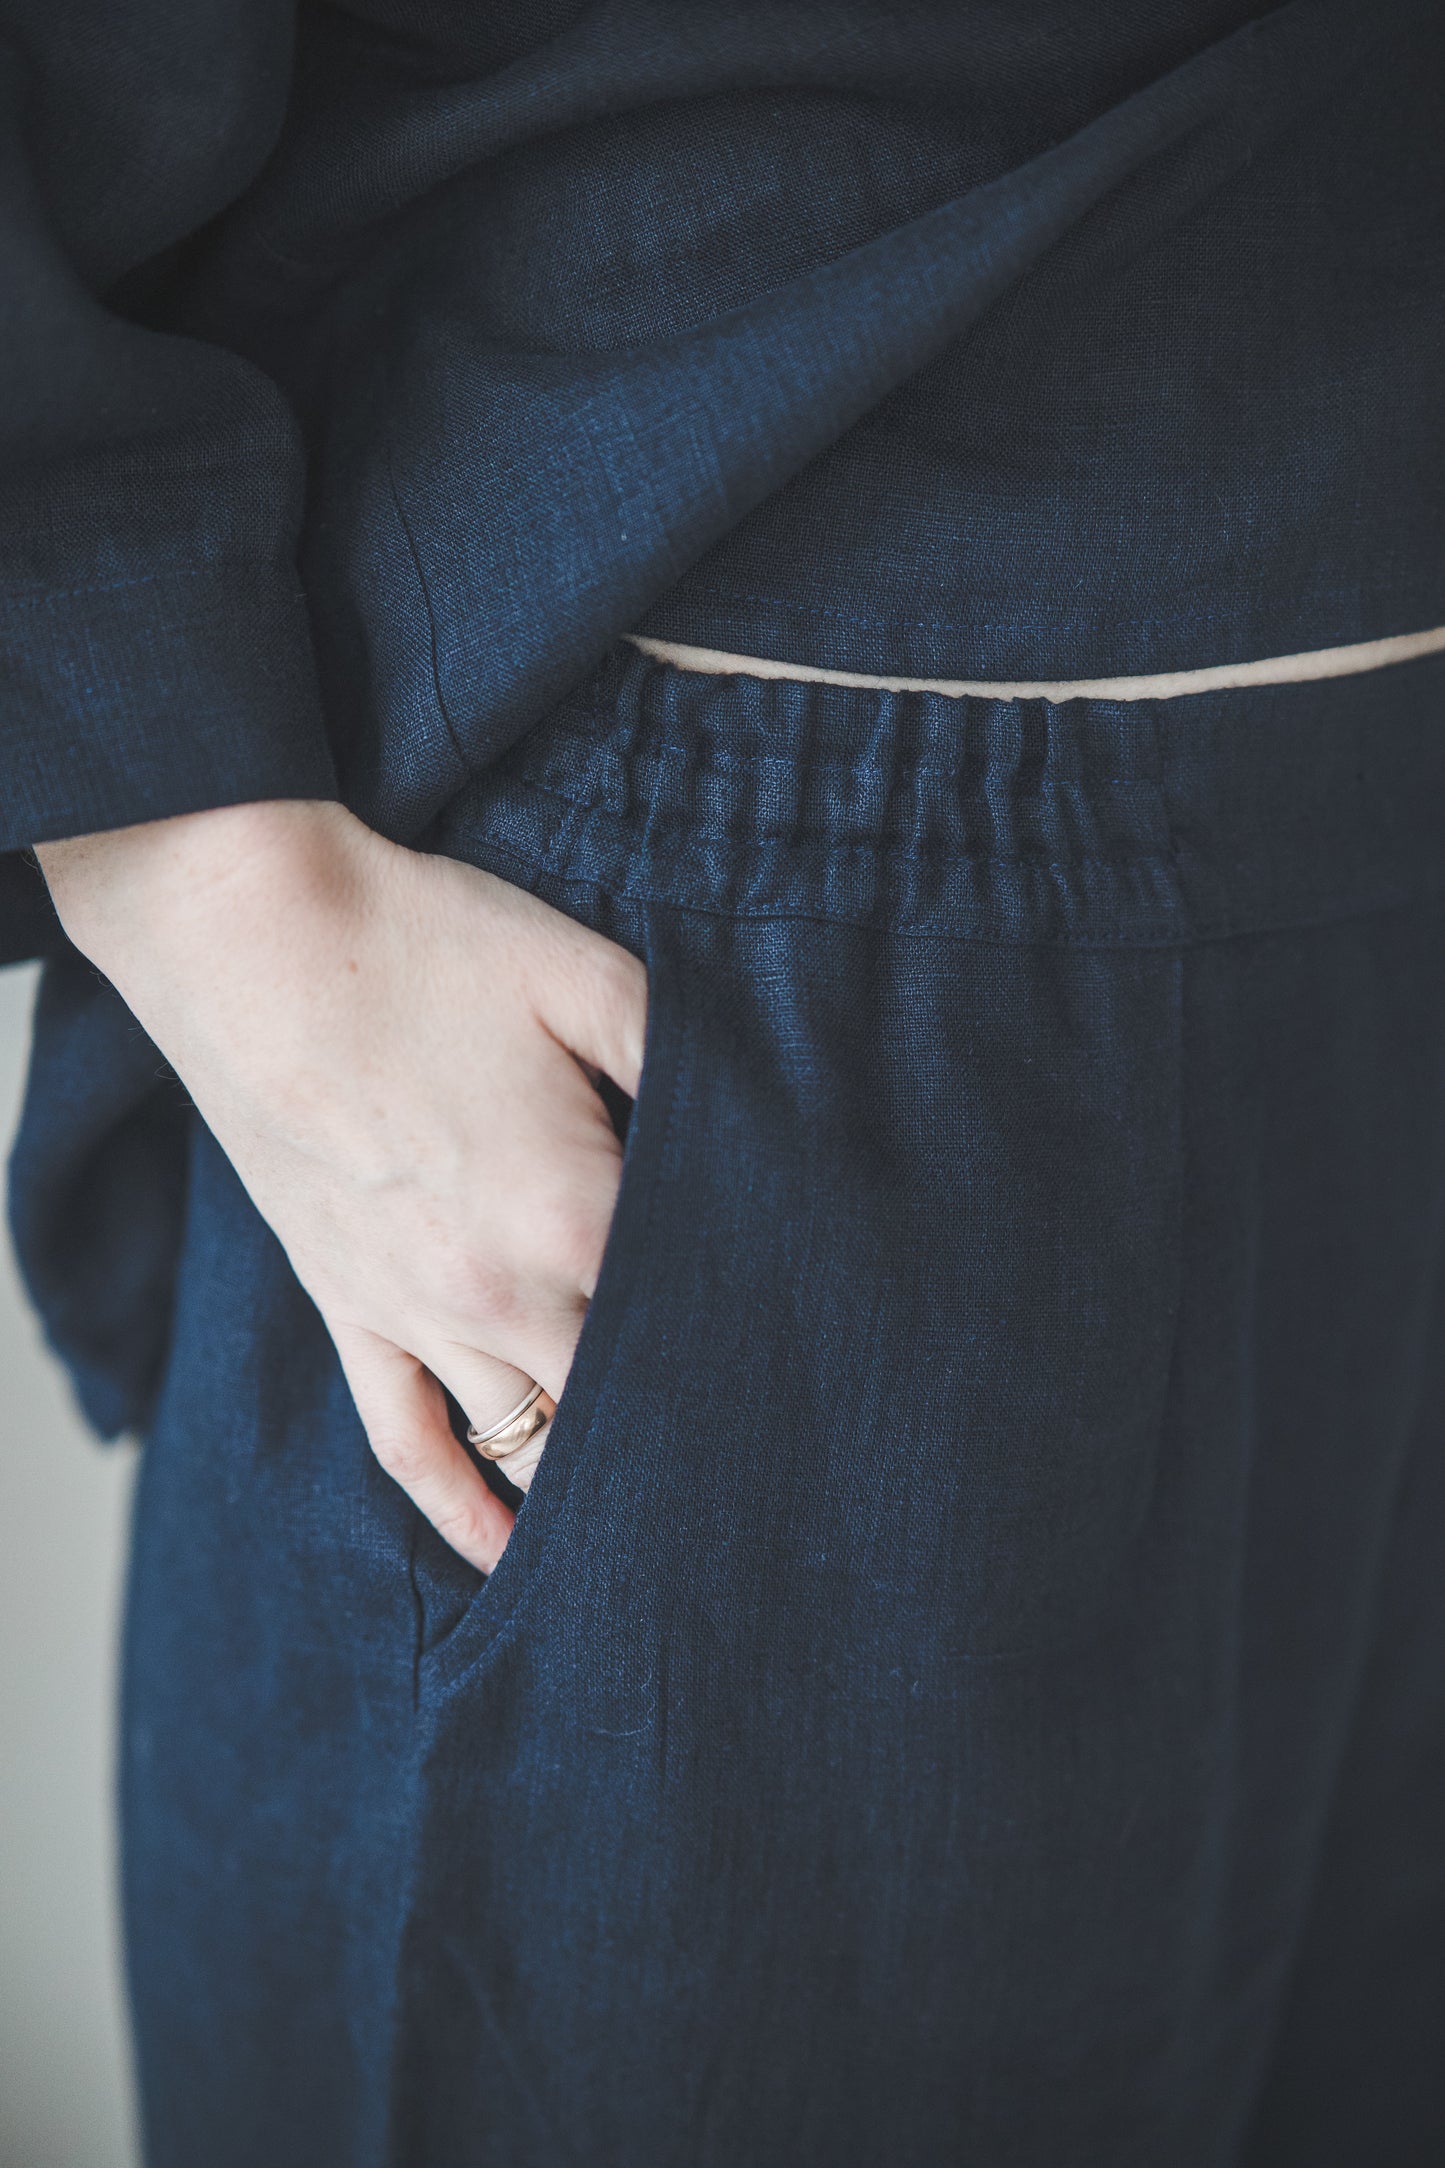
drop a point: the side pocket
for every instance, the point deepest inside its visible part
(562, 1470)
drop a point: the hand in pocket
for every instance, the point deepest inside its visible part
(400, 1055)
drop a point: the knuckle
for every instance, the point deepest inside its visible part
(622, 986)
(463, 1526)
(629, 1015)
(470, 1285)
(405, 1456)
(608, 978)
(572, 1236)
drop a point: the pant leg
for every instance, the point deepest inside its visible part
(1357, 2071)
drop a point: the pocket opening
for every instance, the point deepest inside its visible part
(644, 1125)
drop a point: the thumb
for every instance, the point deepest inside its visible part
(595, 1004)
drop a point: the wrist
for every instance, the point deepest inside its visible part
(178, 882)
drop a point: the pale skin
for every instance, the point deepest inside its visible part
(397, 1053)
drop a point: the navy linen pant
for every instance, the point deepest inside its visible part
(968, 1681)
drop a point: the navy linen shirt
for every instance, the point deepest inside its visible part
(367, 370)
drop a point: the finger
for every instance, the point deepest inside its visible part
(404, 1413)
(475, 1380)
(487, 1387)
(520, 1465)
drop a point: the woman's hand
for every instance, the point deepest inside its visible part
(396, 1053)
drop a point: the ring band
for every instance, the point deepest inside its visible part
(525, 1420)
(484, 1437)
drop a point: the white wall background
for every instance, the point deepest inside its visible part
(64, 2081)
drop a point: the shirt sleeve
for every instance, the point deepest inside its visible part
(155, 655)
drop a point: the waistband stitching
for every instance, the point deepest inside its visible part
(880, 845)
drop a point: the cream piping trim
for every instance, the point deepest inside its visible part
(1319, 662)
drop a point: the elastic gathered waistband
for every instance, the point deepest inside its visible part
(1100, 821)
